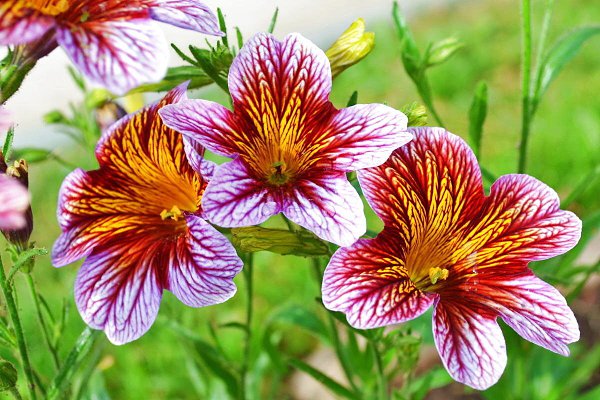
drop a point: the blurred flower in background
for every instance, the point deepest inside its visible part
(113, 43)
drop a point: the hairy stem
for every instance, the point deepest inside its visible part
(248, 275)
(16, 321)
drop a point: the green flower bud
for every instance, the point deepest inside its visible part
(302, 243)
(442, 51)
(416, 113)
(351, 47)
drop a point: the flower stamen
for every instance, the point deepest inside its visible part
(175, 214)
(437, 273)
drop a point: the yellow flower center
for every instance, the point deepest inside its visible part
(427, 282)
(175, 214)
(48, 7)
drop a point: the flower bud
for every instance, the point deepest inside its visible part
(302, 243)
(19, 234)
(442, 50)
(351, 47)
(416, 114)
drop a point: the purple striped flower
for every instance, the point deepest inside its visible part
(448, 246)
(139, 222)
(113, 42)
(291, 147)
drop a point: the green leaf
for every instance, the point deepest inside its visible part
(592, 394)
(33, 155)
(223, 27)
(302, 317)
(174, 77)
(273, 20)
(353, 100)
(477, 114)
(327, 381)
(217, 364)
(8, 141)
(563, 51)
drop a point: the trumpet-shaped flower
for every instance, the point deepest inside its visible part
(291, 147)
(139, 222)
(113, 42)
(14, 202)
(447, 245)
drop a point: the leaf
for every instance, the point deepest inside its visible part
(563, 51)
(33, 155)
(273, 20)
(197, 78)
(353, 99)
(477, 114)
(8, 141)
(302, 317)
(327, 381)
(217, 364)
(223, 27)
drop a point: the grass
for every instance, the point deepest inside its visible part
(565, 146)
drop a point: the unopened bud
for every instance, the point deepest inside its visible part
(442, 51)
(302, 243)
(351, 47)
(416, 114)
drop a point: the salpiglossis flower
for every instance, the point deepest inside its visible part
(445, 244)
(113, 42)
(138, 221)
(291, 147)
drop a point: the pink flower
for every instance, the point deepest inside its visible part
(445, 244)
(291, 147)
(138, 221)
(14, 202)
(113, 42)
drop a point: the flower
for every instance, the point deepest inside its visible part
(138, 221)
(19, 235)
(291, 147)
(448, 245)
(351, 47)
(112, 42)
(14, 202)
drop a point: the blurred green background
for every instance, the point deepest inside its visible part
(565, 147)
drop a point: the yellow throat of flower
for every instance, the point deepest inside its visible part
(175, 214)
(48, 7)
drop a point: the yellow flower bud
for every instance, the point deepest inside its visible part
(351, 47)
(254, 238)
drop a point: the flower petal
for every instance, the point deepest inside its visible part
(20, 26)
(522, 221)
(270, 79)
(428, 191)
(207, 123)
(233, 198)
(14, 202)
(118, 54)
(187, 14)
(534, 309)
(470, 344)
(329, 207)
(118, 290)
(202, 271)
(369, 283)
(364, 136)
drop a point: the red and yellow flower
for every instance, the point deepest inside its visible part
(291, 147)
(139, 222)
(113, 42)
(445, 244)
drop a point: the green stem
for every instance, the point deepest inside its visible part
(16, 321)
(15, 393)
(248, 275)
(335, 336)
(38, 309)
(381, 378)
(81, 348)
(526, 83)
